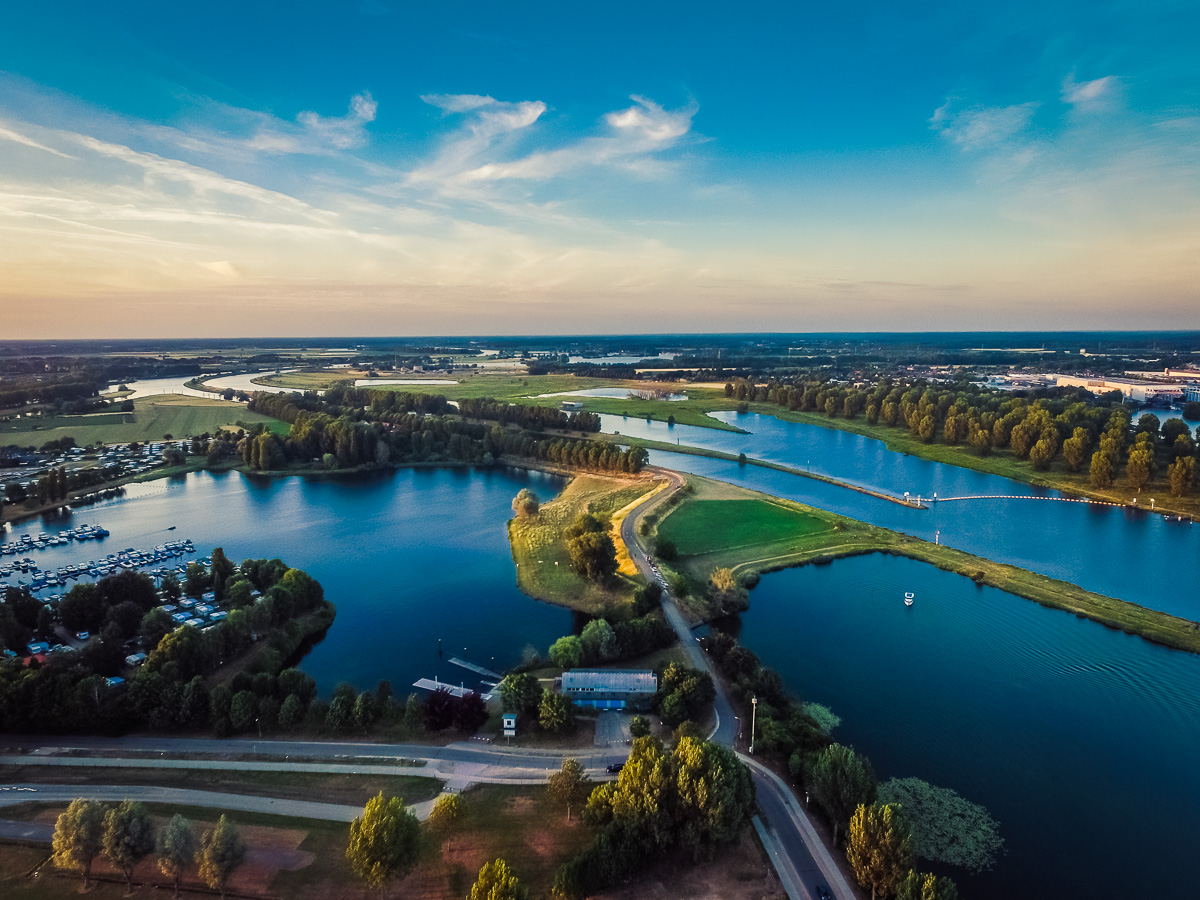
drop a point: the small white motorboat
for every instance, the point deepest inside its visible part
(908, 598)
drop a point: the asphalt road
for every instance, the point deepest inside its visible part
(793, 846)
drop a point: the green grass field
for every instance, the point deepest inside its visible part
(152, 419)
(703, 526)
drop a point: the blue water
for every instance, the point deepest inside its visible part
(1130, 554)
(1081, 741)
(408, 557)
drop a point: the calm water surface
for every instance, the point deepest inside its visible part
(1130, 554)
(1081, 741)
(408, 557)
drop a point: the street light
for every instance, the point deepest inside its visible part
(753, 721)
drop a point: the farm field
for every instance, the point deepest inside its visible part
(151, 420)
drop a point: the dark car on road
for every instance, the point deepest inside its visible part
(823, 893)
(614, 768)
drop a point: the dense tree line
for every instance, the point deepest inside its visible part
(397, 427)
(532, 417)
(70, 693)
(1071, 426)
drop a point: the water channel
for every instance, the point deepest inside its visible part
(1133, 555)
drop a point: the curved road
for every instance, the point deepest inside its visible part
(800, 857)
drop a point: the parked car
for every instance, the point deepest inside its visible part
(614, 768)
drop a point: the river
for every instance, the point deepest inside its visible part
(1130, 554)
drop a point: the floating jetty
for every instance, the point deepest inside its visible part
(432, 684)
(478, 670)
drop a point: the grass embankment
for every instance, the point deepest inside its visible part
(540, 551)
(151, 420)
(760, 539)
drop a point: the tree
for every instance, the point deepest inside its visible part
(384, 841)
(1101, 471)
(556, 713)
(525, 504)
(945, 827)
(639, 726)
(593, 555)
(1182, 476)
(176, 849)
(496, 881)
(447, 815)
(879, 848)
(78, 837)
(221, 570)
(569, 786)
(923, 886)
(221, 852)
(471, 712)
(599, 641)
(243, 710)
(724, 592)
(716, 794)
(520, 692)
(291, 712)
(567, 652)
(128, 838)
(841, 782)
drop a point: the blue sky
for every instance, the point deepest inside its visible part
(378, 167)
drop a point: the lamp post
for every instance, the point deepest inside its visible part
(753, 721)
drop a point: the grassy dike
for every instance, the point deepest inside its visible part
(766, 544)
(540, 551)
(999, 462)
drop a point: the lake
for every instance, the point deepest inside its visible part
(409, 557)
(1081, 741)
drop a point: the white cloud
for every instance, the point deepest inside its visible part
(982, 127)
(317, 134)
(1090, 94)
(17, 138)
(651, 122)
(481, 153)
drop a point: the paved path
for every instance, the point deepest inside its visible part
(65, 793)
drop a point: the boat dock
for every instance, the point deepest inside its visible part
(432, 684)
(478, 670)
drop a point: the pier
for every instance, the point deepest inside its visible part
(432, 684)
(478, 670)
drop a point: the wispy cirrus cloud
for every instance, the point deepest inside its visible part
(482, 151)
(1090, 95)
(982, 127)
(314, 133)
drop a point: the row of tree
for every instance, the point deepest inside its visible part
(124, 835)
(1092, 432)
(537, 418)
